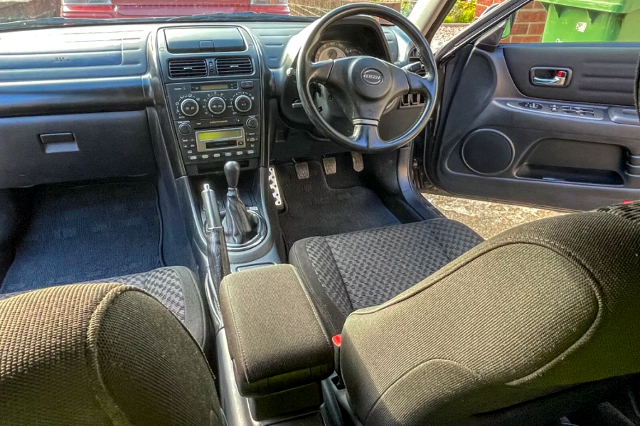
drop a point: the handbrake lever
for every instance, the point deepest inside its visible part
(217, 253)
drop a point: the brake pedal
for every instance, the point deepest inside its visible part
(302, 170)
(358, 162)
(330, 165)
(275, 189)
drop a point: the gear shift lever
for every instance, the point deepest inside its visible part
(237, 222)
(232, 173)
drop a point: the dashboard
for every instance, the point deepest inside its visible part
(104, 101)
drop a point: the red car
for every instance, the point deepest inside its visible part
(158, 8)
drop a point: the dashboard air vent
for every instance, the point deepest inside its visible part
(186, 68)
(234, 66)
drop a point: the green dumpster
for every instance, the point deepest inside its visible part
(592, 20)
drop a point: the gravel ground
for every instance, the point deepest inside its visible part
(445, 33)
(486, 218)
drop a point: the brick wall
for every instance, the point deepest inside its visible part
(529, 23)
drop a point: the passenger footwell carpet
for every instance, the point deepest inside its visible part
(315, 209)
(87, 233)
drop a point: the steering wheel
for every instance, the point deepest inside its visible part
(364, 85)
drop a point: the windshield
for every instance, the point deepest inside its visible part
(27, 13)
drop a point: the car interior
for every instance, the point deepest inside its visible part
(220, 222)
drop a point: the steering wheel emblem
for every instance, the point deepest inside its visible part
(372, 76)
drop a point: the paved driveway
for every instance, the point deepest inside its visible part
(487, 219)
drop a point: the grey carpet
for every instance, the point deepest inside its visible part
(87, 233)
(315, 209)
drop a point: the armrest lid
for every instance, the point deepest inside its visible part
(274, 331)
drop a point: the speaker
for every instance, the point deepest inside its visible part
(487, 152)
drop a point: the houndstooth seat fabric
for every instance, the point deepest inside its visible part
(351, 271)
(175, 287)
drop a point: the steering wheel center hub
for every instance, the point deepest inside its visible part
(371, 78)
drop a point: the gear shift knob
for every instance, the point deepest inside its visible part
(232, 173)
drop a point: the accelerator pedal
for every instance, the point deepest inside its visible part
(358, 162)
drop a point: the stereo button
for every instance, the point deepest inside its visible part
(184, 128)
(252, 123)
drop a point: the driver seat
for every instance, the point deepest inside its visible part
(360, 269)
(532, 325)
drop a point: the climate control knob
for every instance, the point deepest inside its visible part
(189, 107)
(217, 105)
(242, 103)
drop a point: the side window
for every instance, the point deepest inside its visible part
(576, 21)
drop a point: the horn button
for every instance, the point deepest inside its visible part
(371, 78)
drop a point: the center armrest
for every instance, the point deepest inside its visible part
(275, 336)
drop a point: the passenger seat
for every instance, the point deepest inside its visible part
(175, 287)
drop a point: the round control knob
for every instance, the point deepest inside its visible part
(189, 107)
(243, 103)
(184, 128)
(217, 105)
(252, 123)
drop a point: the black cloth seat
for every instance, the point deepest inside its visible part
(175, 287)
(100, 354)
(356, 270)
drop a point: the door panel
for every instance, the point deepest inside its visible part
(601, 73)
(576, 147)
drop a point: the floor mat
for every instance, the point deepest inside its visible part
(87, 233)
(315, 209)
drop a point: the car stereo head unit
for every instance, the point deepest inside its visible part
(217, 139)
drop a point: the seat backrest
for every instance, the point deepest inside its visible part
(637, 97)
(540, 313)
(100, 354)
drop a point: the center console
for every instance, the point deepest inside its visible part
(212, 78)
(216, 121)
(213, 85)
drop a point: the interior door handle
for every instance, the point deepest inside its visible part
(553, 77)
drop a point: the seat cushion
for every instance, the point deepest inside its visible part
(175, 287)
(360, 269)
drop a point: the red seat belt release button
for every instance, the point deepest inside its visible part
(337, 343)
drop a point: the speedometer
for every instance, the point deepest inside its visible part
(331, 50)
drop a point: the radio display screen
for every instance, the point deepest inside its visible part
(211, 86)
(218, 134)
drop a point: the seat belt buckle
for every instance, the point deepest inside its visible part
(337, 343)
